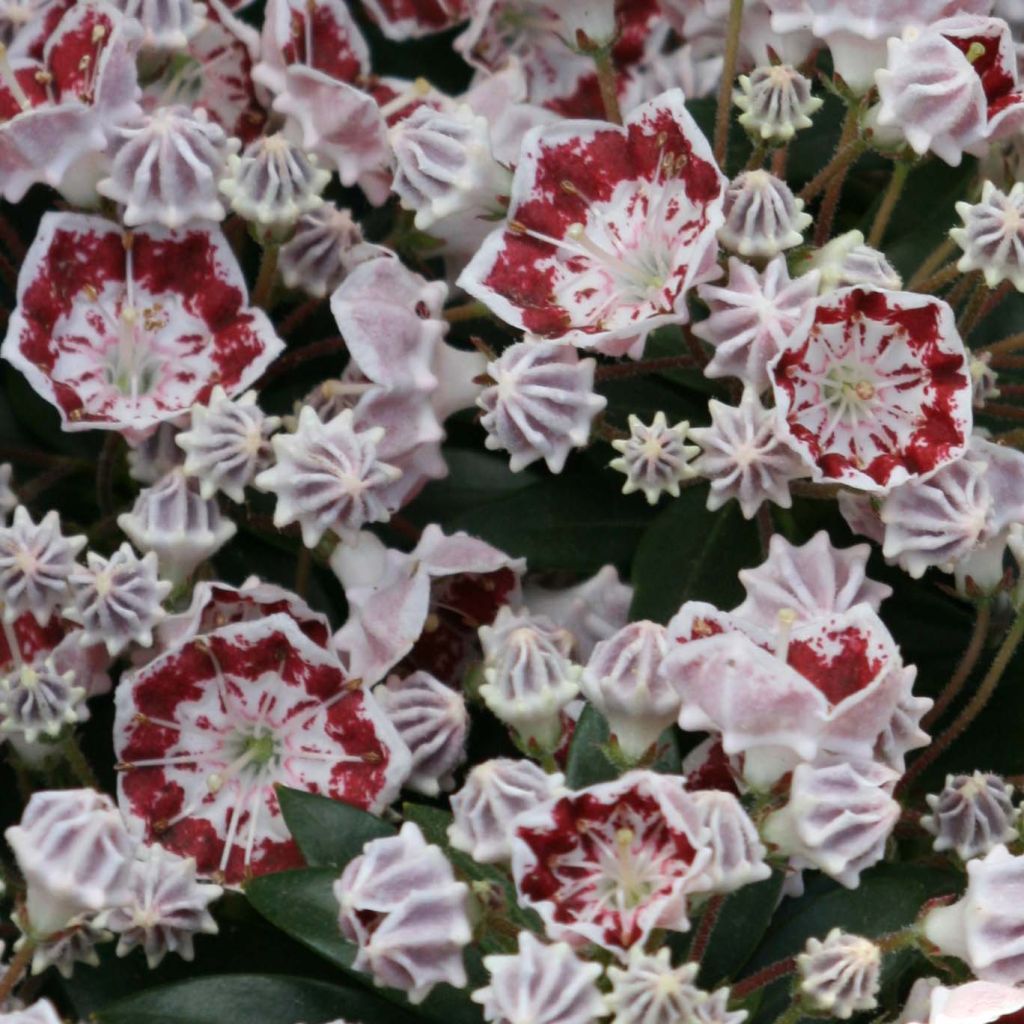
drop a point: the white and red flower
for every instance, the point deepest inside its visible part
(877, 390)
(204, 732)
(410, 19)
(121, 331)
(608, 229)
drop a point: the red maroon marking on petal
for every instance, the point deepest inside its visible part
(836, 675)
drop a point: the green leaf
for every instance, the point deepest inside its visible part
(329, 833)
(245, 998)
(302, 904)
(690, 553)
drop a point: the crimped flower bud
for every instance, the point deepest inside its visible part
(655, 458)
(992, 238)
(840, 974)
(762, 216)
(173, 519)
(624, 681)
(529, 675)
(776, 102)
(38, 700)
(846, 261)
(737, 854)
(972, 814)
(75, 855)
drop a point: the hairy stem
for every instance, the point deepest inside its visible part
(263, 290)
(15, 969)
(972, 652)
(732, 49)
(892, 196)
(607, 82)
(940, 255)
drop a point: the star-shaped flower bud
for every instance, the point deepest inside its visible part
(402, 907)
(992, 238)
(165, 169)
(36, 560)
(972, 814)
(327, 476)
(39, 701)
(541, 405)
(167, 908)
(762, 216)
(840, 974)
(655, 458)
(274, 182)
(846, 261)
(744, 457)
(227, 444)
(545, 984)
(776, 102)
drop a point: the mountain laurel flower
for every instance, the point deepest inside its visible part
(737, 853)
(540, 983)
(762, 216)
(776, 102)
(402, 907)
(227, 443)
(623, 679)
(647, 989)
(840, 974)
(985, 927)
(174, 520)
(847, 260)
(167, 908)
(117, 600)
(165, 169)
(273, 182)
(327, 476)
(433, 722)
(75, 855)
(36, 560)
(992, 236)
(494, 794)
(972, 814)
(529, 675)
(656, 458)
(541, 404)
(38, 701)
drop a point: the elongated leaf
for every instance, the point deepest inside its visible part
(248, 998)
(328, 832)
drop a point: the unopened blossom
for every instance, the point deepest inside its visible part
(776, 102)
(992, 238)
(57, 111)
(174, 520)
(744, 456)
(751, 316)
(876, 390)
(975, 1002)
(762, 216)
(166, 24)
(494, 794)
(35, 562)
(655, 458)
(958, 519)
(402, 907)
(118, 599)
(649, 990)
(153, 457)
(422, 608)
(611, 863)
(840, 974)
(972, 814)
(39, 701)
(541, 983)
(326, 244)
(541, 405)
(984, 380)
(529, 675)
(205, 731)
(903, 733)
(808, 580)
(165, 168)
(66, 949)
(608, 229)
(8, 499)
(433, 722)
(985, 927)
(831, 684)
(847, 260)
(228, 441)
(167, 908)
(838, 818)
(737, 853)
(952, 87)
(124, 330)
(623, 679)
(327, 476)
(273, 182)
(74, 853)
(592, 610)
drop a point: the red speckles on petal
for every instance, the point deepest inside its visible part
(837, 663)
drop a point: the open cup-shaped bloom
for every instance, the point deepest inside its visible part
(122, 331)
(204, 732)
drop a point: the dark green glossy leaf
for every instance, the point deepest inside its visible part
(329, 832)
(690, 553)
